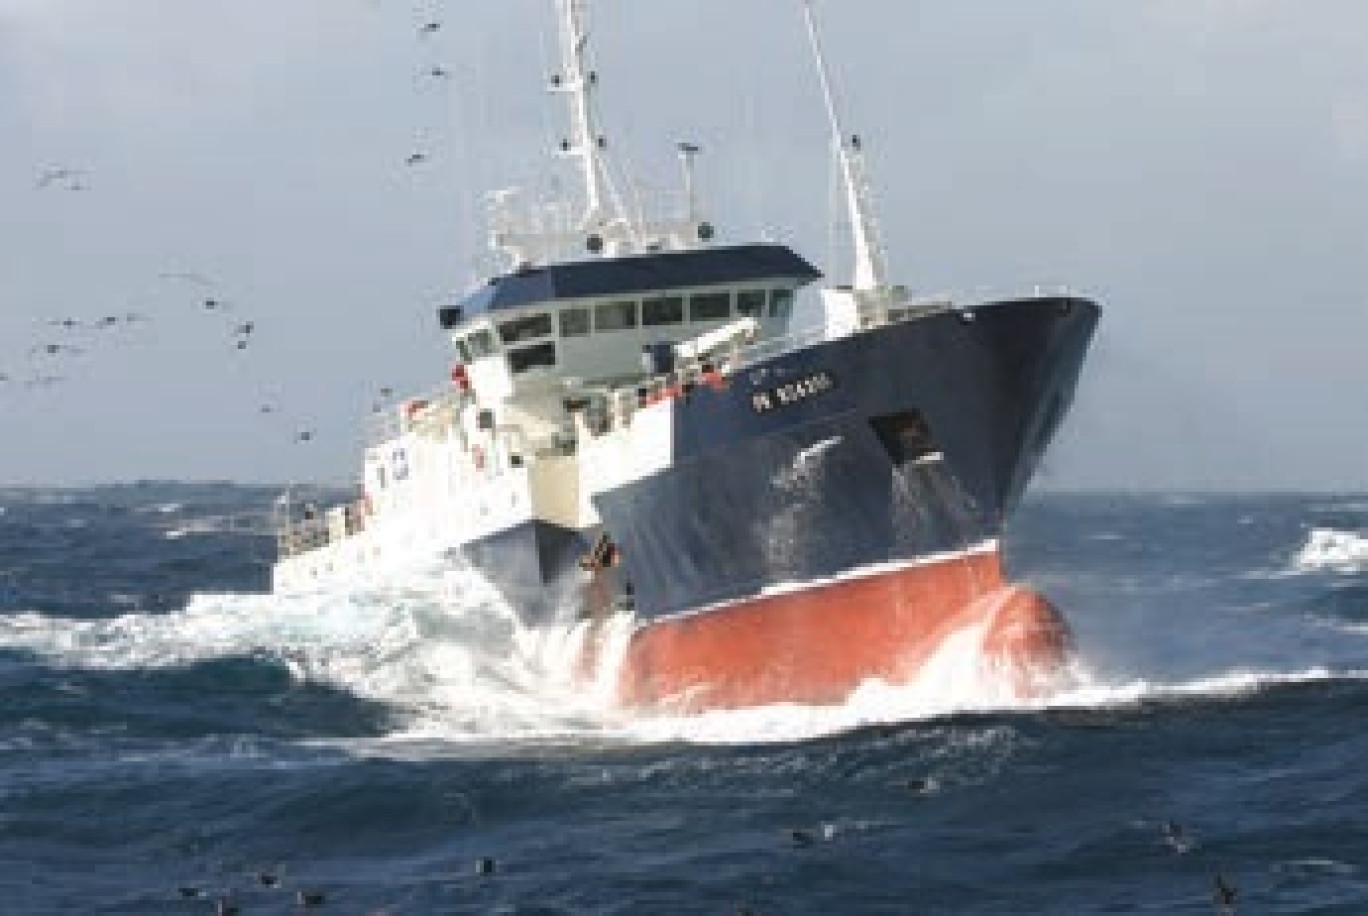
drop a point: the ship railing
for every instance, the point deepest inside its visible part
(746, 356)
(741, 356)
(300, 537)
(313, 528)
(391, 419)
(539, 230)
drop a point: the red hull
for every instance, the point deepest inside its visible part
(816, 645)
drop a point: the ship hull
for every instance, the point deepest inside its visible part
(823, 517)
(818, 643)
(786, 530)
(911, 441)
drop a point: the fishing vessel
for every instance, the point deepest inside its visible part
(637, 427)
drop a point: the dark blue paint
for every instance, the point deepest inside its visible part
(740, 509)
(631, 276)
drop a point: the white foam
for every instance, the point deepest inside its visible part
(954, 680)
(1330, 549)
(456, 666)
(454, 662)
(1238, 682)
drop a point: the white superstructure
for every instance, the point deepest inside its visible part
(565, 366)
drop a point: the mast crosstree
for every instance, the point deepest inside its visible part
(871, 259)
(598, 224)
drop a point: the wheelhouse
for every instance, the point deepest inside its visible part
(593, 321)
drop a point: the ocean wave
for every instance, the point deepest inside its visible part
(1332, 549)
(1227, 685)
(457, 668)
(445, 653)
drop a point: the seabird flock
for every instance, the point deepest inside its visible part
(53, 357)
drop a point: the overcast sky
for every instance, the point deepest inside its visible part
(1200, 166)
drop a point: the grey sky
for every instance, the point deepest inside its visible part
(1201, 166)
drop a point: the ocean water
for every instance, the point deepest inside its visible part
(172, 737)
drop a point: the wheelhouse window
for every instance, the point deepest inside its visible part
(615, 316)
(751, 303)
(529, 327)
(710, 307)
(781, 303)
(463, 354)
(574, 322)
(526, 358)
(481, 344)
(664, 310)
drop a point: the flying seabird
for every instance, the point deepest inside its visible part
(53, 175)
(416, 159)
(1224, 895)
(70, 179)
(189, 276)
(1174, 836)
(52, 349)
(429, 28)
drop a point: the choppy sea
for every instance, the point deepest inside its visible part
(174, 740)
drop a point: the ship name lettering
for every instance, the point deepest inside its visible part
(791, 393)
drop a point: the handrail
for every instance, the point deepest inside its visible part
(318, 526)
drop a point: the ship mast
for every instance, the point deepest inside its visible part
(871, 260)
(599, 224)
(586, 142)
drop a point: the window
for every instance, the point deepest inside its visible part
(665, 310)
(520, 361)
(481, 343)
(710, 307)
(615, 316)
(574, 322)
(462, 349)
(529, 327)
(781, 303)
(751, 303)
